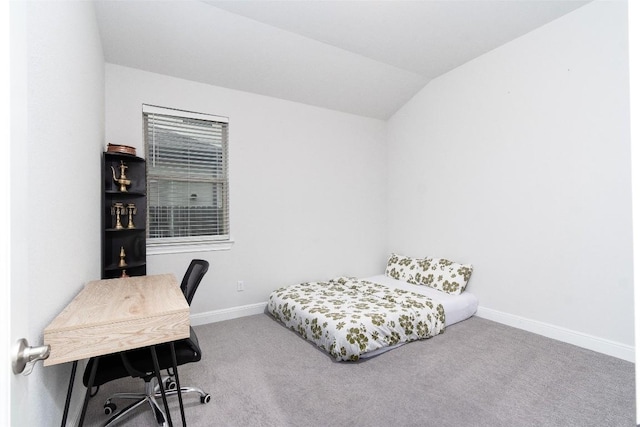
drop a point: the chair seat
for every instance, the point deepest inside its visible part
(111, 366)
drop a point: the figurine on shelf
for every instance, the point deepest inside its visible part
(122, 262)
(131, 208)
(123, 182)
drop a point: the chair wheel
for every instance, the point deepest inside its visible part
(205, 399)
(109, 408)
(170, 384)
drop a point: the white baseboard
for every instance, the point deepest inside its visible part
(611, 348)
(227, 313)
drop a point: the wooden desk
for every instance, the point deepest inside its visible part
(115, 315)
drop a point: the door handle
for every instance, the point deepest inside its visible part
(24, 357)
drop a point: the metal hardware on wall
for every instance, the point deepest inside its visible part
(24, 357)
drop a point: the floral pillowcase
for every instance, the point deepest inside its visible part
(439, 273)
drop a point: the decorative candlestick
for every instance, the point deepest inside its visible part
(118, 209)
(131, 208)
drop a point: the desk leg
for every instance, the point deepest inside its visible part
(156, 367)
(74, 367)
(175, 371)
(92, 377)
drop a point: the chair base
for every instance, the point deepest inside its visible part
(151, 395)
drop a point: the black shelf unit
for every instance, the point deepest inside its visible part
(130, 241)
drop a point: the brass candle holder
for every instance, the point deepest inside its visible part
(118, 209)
(131, 208)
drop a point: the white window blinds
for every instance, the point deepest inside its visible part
(187, 176)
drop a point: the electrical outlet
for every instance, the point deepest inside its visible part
(240, 286)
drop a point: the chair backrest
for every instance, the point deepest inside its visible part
(192, 278)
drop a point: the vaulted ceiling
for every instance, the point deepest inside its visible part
(361, 57)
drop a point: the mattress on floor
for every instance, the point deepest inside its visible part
(357, 318)
(456, 307)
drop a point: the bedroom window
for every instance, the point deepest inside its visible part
(187, 181)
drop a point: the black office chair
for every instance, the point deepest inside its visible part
(138, 363)
(192, 278)
(190, 282)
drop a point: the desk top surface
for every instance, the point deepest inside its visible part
(114, 315)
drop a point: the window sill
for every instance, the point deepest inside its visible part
(182, 247)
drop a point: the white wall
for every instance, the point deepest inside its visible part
(518, 162)
(634, 81)
(55, 177)
(307, 186)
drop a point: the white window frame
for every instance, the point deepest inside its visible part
(159, 245)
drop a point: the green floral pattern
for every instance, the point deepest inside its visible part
(439, 273)
(348, 317)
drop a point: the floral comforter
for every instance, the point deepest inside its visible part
(348, 317)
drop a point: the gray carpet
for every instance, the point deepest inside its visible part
(478, 373)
